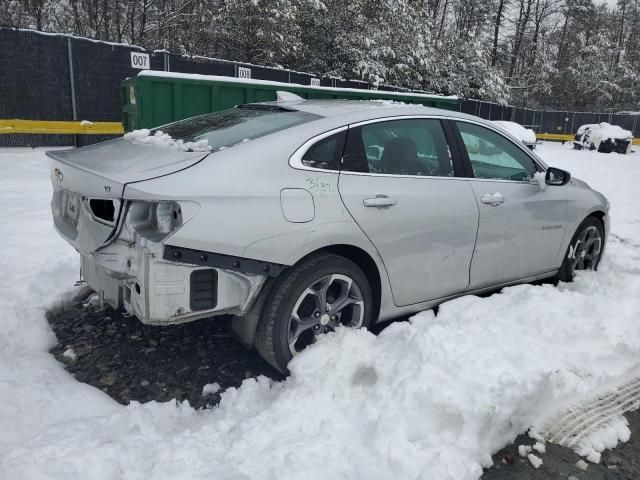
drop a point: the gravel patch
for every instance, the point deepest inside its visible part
(559, 463)
(131, 361)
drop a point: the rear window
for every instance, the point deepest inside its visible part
(237, 125)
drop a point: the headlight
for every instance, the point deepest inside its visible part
(154, 220)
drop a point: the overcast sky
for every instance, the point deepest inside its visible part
(611, 3)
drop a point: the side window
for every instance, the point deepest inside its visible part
(326, 153)
(399, 147)
(494, 156)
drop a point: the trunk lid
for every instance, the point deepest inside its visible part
(88, 184)
(105, 168)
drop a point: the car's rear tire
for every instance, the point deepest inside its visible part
(585, 249)
(312, 298)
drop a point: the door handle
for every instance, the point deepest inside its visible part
(380, 201)
(493, 199)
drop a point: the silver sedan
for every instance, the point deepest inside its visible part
(300, 217)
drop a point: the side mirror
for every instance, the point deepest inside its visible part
(556, 176)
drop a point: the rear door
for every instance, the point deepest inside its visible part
(398, 182)
(522, 224)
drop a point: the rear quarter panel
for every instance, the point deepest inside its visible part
(240, 214)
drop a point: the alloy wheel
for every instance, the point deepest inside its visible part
(585, 253)
(329, 302)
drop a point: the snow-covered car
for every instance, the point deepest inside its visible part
(303, 216)
(603, 137)
(525, 135)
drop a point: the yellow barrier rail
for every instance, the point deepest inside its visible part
(566, 137)
(555, 137)
(55, 127)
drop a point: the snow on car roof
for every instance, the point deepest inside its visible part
(334, 108)
(522, 133)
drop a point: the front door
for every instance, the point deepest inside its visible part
(522, 223)
(397, 181)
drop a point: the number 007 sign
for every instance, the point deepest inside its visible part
(140, 60)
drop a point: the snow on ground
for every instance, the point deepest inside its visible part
(429, 398)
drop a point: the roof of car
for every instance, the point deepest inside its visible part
(337, 113)
(363, 108)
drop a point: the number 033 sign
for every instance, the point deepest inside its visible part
(140, 61)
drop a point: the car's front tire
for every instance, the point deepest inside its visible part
(585, 249)
(312, 298)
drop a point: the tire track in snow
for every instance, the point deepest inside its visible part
(569, 428)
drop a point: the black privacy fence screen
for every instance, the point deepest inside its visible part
(550, 121)
(65, 78)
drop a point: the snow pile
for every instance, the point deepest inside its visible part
(164, 140)
(429, 398)
(524, 450)
(391, 103)
(605, 131)
(535, 461)
(70, 354)
(582, 465)
(39, 267)
(540, 447)
(525, 135)
(595, 135)
(210, 389)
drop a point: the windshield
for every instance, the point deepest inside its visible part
(236, 125)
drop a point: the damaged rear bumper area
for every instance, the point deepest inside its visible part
(159, 292)
(124, 259)
(122, 240)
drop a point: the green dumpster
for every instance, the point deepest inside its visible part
(153, 98)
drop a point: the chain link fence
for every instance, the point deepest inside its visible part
(61, 77)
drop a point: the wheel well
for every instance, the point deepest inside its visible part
(244, 327)
(599, 215)
(364, 261)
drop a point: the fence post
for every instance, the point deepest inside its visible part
(573, 116)
(72, 82)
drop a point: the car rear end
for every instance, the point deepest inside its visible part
(122, 236)
(120, 240)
